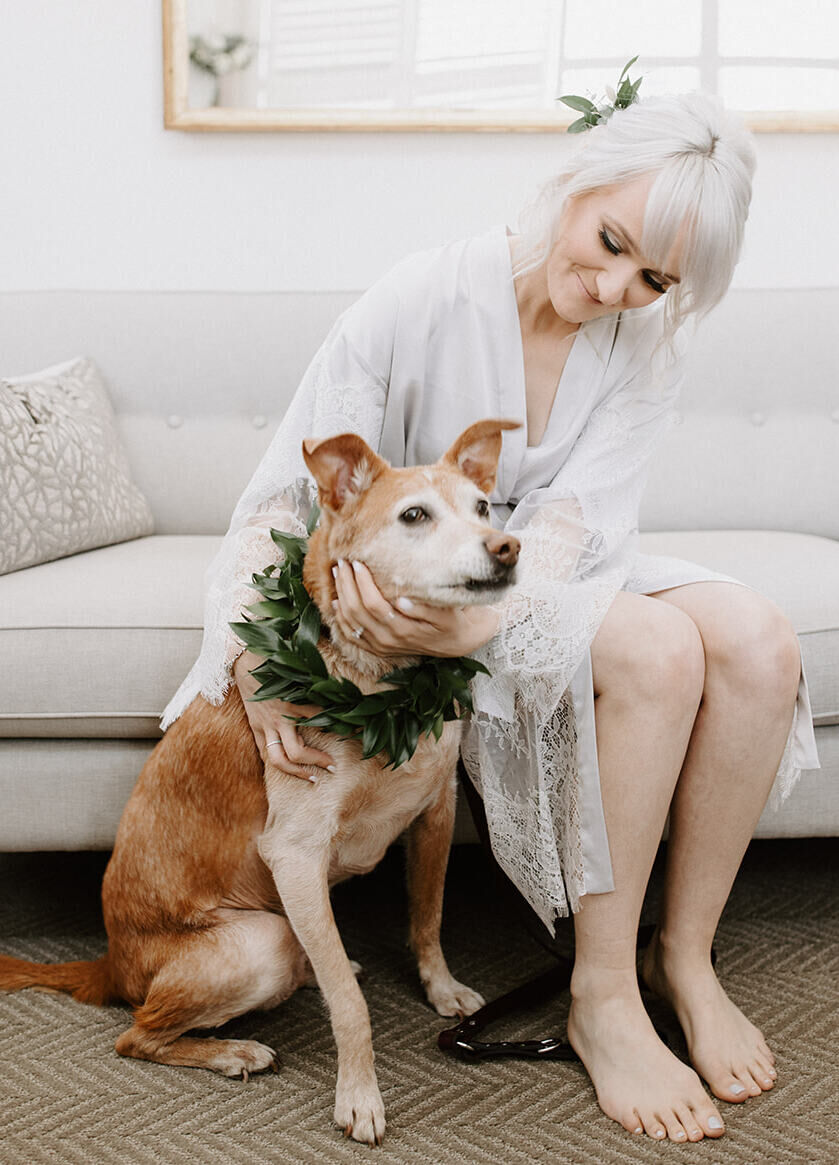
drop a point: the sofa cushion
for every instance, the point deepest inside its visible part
(799, 572)
(64, 480)
(95, 645)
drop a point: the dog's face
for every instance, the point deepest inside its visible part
(424, 532)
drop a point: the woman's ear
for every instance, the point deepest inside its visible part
(476, 451)
(343, 466)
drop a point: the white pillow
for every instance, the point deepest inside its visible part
(64, 479)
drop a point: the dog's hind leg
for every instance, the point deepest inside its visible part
(250, 959)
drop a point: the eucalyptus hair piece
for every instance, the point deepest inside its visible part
(594, 113)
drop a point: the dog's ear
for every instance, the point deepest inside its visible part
(343, 466)
(476, 451)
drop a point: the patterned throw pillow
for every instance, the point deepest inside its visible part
(64, 478)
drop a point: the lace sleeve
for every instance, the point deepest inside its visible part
(342, 391)
(576, 537)
(520, 746)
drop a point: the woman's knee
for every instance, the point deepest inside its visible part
(754, 646)
(648, 650)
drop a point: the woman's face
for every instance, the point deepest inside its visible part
(595, 268)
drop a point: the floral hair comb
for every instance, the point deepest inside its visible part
(594, 113)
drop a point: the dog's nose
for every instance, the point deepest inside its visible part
(503, 547)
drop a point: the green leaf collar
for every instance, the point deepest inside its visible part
(416, 702)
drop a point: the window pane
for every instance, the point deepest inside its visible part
(659, 79)
(768, 87)
(607, 28)
(778, 28)
(480, 30)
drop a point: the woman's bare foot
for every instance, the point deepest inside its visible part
(638, 1082)
(727, 1050)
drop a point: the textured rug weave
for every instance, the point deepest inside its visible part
(66, 1096)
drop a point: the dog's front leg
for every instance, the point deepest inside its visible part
(301, 879)
(428, 843)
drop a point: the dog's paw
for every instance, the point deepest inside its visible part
(241, 1058)
(448, 997)
(360, 1112)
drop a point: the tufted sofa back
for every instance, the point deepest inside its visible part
(200, 380)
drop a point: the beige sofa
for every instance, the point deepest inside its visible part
(94, 645)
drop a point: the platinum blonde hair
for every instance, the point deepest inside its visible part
(703, 160)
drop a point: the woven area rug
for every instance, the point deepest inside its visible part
(67, 1097)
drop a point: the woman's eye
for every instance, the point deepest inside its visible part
(654, 283)
(482, 508)
(609, 243)
(413, 514)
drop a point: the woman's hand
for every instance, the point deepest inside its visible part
(277, 737)
(409, 628)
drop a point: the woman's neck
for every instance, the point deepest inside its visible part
(537, 315)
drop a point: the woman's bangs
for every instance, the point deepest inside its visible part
(673, 202)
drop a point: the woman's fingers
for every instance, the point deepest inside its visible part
(363, 608)
(361, 600)
(298, 752)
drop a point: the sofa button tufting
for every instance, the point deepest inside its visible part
(259, 421)
(174, 421)
(758, 418)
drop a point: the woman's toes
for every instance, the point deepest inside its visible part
(675, 1128)
(764, 1075)
(730, 1088)
(653, 1126)
(745, 1076)
(632, 1123)
(689, 1123)
(710, 1122)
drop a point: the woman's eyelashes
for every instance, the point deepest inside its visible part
(614, 248)
(651, 280)
(608, 242)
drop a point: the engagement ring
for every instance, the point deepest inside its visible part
(359, 631)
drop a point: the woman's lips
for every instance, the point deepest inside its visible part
(586, 291)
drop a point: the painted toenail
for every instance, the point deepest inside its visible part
(679, 1136)
(714, 1122)
(639, 1130)
(659, 1133)
(737, 1089)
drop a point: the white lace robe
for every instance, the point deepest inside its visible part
(430, 348)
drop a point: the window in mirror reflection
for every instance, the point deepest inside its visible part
(371, 55)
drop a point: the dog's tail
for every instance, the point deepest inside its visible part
(89, 982)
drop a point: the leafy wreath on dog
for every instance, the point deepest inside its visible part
(285, 631)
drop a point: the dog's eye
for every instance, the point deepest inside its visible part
(413, 514)
(483, 508)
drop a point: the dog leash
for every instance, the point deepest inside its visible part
(461, 1040)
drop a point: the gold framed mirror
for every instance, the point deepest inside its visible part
(486, 65)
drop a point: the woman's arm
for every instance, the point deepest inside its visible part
(344, 389)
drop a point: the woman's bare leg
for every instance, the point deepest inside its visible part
(648, 678)
(751, 678)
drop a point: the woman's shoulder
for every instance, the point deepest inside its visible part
(458, 264)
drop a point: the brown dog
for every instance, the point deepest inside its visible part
(216, 898)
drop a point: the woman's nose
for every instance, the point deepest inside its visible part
(613, 283)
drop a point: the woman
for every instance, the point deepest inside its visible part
(622, 685)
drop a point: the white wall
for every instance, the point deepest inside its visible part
(94, 194)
